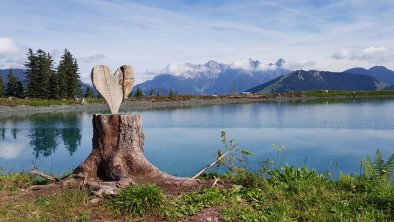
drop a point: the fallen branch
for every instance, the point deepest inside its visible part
(39, 187)
(212, 164)
(43, 175)
(215, 182)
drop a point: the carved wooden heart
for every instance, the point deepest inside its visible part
(114, 88)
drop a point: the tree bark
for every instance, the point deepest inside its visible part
(118, 155)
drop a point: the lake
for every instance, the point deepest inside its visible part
(323, 135)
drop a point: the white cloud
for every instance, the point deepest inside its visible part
(301, 64)
(342, 54)
(13, 149)
(371, 54)
(11, 54)
(92, 58)
(243, 64)
(185, 69)
(8, 47)
(212, 68)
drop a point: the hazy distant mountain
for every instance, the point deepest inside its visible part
(380, 73)
(319, 80)
(19, 73)
(213, 77)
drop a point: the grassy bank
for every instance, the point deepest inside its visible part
(270, 194)
(302, 196)
(34, 102)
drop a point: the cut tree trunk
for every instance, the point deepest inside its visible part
(118, 155)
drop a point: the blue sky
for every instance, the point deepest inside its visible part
(321, 34)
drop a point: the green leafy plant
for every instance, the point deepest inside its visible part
(137, 200)
(230, 155)
(379, 169)
(291, 173)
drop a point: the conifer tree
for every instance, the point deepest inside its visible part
(53, 86)
(171, 93)
(68, 76)
(31, 73)
(2, 91)
(11, 84)
(138, 93)
(39, 70)
(19, 89)
(88, 93)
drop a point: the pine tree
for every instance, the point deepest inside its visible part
(172, 93)
(11, 84)
(138, 93)
(2, 91)
(68, 76)
(88, 93)
(14, 86)
(31, 73)
(53, 86)
(39, 70)
(19, 89)
(75, 83)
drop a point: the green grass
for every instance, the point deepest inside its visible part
(283, 194)
(288, 194)
(189, 204)
(35, 102)
(137, 201)
(272, 193)
(16, 180)
(312, 198)
(68, 206)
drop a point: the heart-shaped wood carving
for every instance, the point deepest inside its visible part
(113, 87)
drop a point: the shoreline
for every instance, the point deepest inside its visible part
(137, 105)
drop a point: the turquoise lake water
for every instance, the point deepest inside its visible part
(325, 135)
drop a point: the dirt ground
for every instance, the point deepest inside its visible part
(95, 203)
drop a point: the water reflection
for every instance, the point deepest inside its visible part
(46, 132)
(14, 131)
(2, 133)
(71, 138)
(49, 129)
(181, 141)
(44, 141)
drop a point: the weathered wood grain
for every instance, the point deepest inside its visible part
(114, 88)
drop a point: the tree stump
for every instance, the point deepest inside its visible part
(118, 156)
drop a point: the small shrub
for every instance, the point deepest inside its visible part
(353, 183)
(290, 173)
(137, 200)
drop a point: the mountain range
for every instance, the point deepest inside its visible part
(253, 76)
(213, 77)
(19, 73)
(302, 80)
(380, 73)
